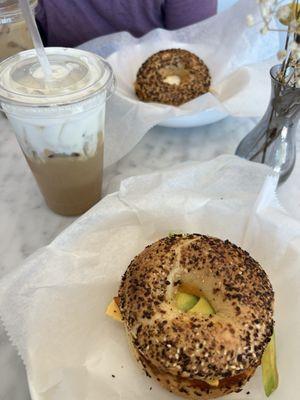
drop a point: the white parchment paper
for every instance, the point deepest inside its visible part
(53, 305)
(239, 59)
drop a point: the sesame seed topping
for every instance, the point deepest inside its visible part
(192, 345)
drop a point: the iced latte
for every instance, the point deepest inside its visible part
(60, 123)
(14, 35)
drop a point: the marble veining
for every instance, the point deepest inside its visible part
(27, 224)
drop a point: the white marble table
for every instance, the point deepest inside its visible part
(26, 224)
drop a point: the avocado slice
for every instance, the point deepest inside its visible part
(185, 301)
(202, 307)
(269, 368)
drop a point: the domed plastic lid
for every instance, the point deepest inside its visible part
(76, 75)
(10, 10)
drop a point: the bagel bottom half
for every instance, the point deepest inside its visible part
(193, 389)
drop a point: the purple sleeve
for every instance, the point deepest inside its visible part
(71, 22)
(180, 13)
(41, 20)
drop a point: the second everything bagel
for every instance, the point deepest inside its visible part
(173, 76)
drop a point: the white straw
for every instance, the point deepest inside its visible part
(35, 35)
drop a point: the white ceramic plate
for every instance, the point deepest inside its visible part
(190, 121)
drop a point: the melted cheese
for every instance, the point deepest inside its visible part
(212, 382)
(113, 311)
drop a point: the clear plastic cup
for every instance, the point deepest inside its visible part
(59, 123)
(14, 35)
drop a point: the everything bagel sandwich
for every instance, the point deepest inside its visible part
(198, 312)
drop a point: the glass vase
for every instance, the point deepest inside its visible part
(272, 141)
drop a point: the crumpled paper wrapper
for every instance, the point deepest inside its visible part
(239, 59)
(53, 305)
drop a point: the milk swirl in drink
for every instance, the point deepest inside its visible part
(60, 123)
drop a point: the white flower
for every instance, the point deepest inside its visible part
(265, 11)
(295, 49)
(264, 30)
(284, 13)
(281, 54)
(250, 20)
(294, 26)
(296, 53)
(293, 46)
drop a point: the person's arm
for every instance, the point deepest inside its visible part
(180, 13)
(41, 20)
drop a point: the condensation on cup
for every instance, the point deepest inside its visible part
(14, 35)
(59, 123)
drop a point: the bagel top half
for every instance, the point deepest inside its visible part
(193, 345)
